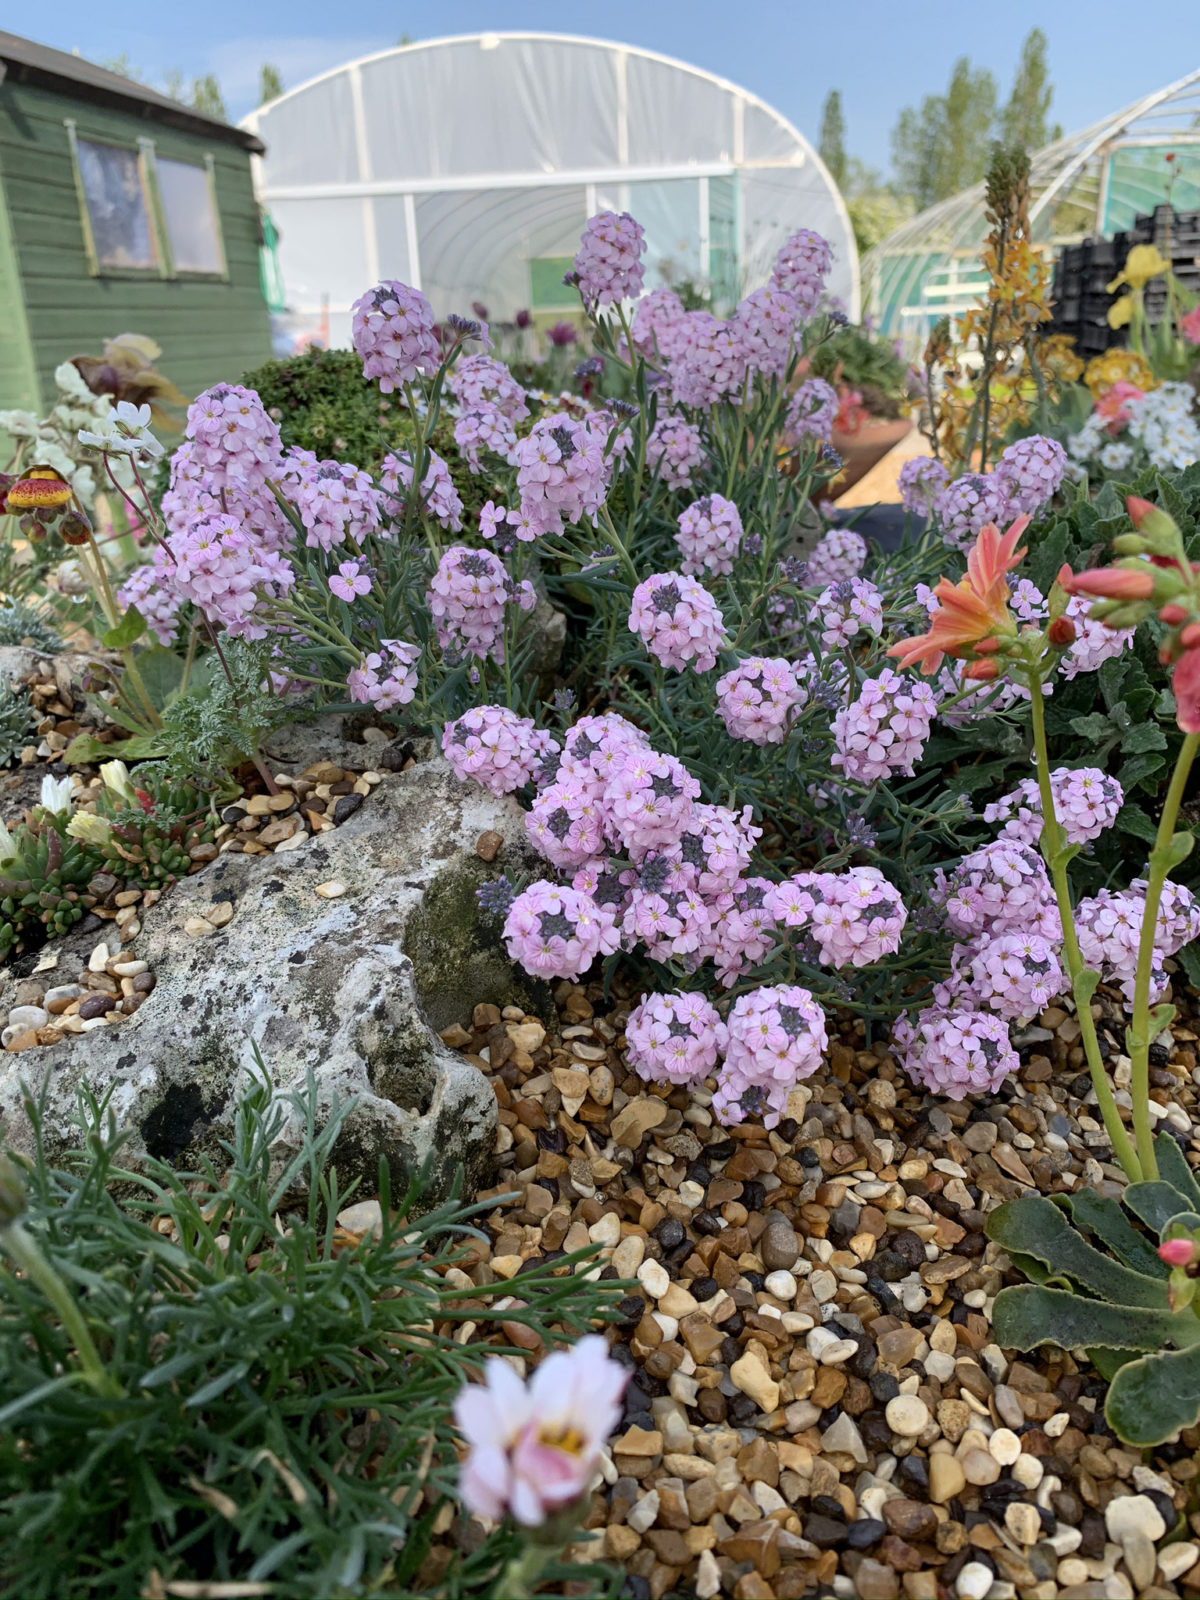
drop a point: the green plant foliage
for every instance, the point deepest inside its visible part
(867, 363)
(16, 720)
(43, 884)
(21, 623)
(149, 843)
(224, 720)
(322, 403)
(1110, 1293)
(282, 1393)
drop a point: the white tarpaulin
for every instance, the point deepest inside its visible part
(468, 167)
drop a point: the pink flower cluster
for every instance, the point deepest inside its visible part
(710, 364)
(756, 700)
(480, 382)
(467, 597)
(387, 677)
(854, 917)
(1000, 888)
(965, 505)
(710, 533)
(439, 498)
(674, 450)
(1109, 926)
(557, 932)
(1086, 802)
(811, 410)
(496, 748)
(224, 572)
(922, 480)
(677, 620)
(955, 1053)
(332, 497)
(196, 491)
(562, 471)
(532, 1450)
(233, 440)
(659, 325)
(846, 609)
(485, 430)
(608, 266)
(776, 1037)
(650, 800)
(674, 1038)
(884, 730)
(838, 554)
(1016, 975)
(766, 324)
(801, 268)
(392, 329)
(1095, 643)
(1030, 472)
(158, 603)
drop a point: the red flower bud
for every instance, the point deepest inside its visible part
(1111, 583)
(1177, 1252)
(1138, 509)
(1189, 638)
(1172, 614)
(1061, 632)
(982, 671)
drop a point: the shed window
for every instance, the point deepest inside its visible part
(114, 191)
(190, 215)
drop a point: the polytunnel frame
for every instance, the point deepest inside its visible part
(407, 189)
(932, 232)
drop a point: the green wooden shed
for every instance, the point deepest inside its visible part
(121, 211)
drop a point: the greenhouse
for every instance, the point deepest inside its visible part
(1095, 181)
(468, 167)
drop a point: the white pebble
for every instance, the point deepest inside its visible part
(823, 1285)
(781, 1284)
(607, 1230)
(974, 1581)
(1177, 1559)
(1133, 1513)
(1004, 1446)
(652, 1276)
(907, 1415)
(939, 1365)
(644, 1512)
(24, 1017)
(333, 890)
(1056, 1425)
(1027, 1471)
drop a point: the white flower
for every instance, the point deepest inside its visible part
(8, 846)
(116, 777)
(68, 380)
(56, 794)
(124, 431)
(86, 825)
(21, 424)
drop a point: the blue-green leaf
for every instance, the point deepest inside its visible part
(1152, 1398)
(1173, 1167)
(1030, 1315)
(1155, 1202)
(1037, 1227)
(1104, 1218)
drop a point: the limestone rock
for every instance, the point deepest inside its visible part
(345, 988)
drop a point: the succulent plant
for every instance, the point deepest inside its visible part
(21, 624)
(1121, 1302)
(16, 719)
(144, 835)
(43, 880)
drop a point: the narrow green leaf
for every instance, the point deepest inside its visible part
(219, 1384)
(128, 631)
(1105, 1218)
(1030, 1315)
(1154, 1397)
(1155, 1203)
(1173, 1167)
(1085, 985)
(1037, 1227)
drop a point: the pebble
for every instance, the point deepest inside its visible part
(828, 1348)
(750, 1375)
(1004, 1446)
(1140, 1559)
(946, 1478)
(781, 1284)
(333, 890)
(28, 1017)
(1133, 1513)
(653, 1277)
(1028, 1471)
(1176, 1559)
(842, 1437)
(778, 1245)
(980, 1468)
(907, 1415)
(1023, 1522)
(974, 1581)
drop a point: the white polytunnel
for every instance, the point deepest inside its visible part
(468, 166)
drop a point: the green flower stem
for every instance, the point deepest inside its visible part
(1054, 854)
(1138, 1034)
(619, 546)
(112, 612)
(23, 1250)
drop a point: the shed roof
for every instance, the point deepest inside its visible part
(29, 62)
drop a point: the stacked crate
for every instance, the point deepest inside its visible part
(1083, 272)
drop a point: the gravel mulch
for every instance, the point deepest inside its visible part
(816, 1401)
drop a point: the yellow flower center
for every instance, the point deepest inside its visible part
(569, 1440)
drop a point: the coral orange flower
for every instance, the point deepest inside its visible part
(975, 609)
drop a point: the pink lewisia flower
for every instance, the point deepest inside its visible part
(1030, 473)
(801, 268)
(532, 1448)
(1179, 1252)
(757, 699)
(659, 322)
(921, 481)
(838, 555)
(439, 497)
(562, 473)
(333, 499)
(811, 410)
(776, 1036)
(387, 677)
(144, 588)
(884, 730)
(350, 580)
(955, 1053)
(232, 437)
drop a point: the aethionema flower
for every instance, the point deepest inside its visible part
(972, 620)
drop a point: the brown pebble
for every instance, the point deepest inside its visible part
(489, 844)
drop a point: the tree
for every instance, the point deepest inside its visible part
(1024, 120)
(207, 97)
(832, 145)
(942, 147)
(270, 83)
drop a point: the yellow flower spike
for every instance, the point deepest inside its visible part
(1120, 313)
(1144, 261)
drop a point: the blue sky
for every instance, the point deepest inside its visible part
(882, 54)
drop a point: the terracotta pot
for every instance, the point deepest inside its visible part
(862, 449)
